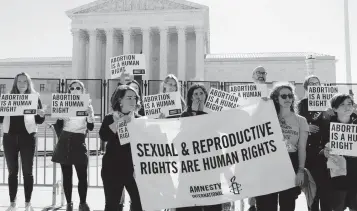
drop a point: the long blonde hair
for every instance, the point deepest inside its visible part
(30, 87)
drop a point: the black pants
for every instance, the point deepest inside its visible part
(114, 183)
(25, 144)
(316, 164)
(286, 198)
(217, 207)
(67, 171)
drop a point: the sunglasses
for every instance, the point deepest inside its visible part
(314, 84)
(77, 88)
(284, 96)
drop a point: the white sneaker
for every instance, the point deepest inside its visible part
(12, 207)
(28, 207)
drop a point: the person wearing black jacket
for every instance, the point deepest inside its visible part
(196, 98)
(20, 133)
(71, 150)
(117, 164)
(343, 188)
(316, 163)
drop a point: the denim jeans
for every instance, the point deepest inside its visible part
(25, 144)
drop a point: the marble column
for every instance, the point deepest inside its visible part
(109, 33)
(146, 32)
(181, 54)
(199, 54)
(92, 63)
(163, 52)
(76, 33)
(127, 40)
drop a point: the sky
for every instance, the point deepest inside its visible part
(40, 28)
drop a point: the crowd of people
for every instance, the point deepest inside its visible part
(306, 137)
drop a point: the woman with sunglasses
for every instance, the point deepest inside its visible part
(316, 163)
(20, 133)
(117, 165)
(71, 150)
(295, 131)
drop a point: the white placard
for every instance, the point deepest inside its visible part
(69, 105)
(249, 93)
(343, 139)
(219, 100)
(18, 104)
(134, 64)
(167, 103)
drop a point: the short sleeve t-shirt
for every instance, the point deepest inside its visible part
(291, 128)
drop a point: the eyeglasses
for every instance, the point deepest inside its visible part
(77, 88)
(261, 73)
(284, 96)
(314, 84)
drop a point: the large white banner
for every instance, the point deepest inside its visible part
(209, 159)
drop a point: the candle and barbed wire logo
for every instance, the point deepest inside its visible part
(235, 187)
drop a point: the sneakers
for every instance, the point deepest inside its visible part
(12, 207)
(28, 207)
(69, 207)
(83, 207)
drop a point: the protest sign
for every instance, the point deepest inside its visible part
(249, 93)
(69, 105)
(134, 64)
(18, 104)
(219, 100)
(166, 103)
(319, 97)
(123, 133)
(343, 139)
(210, 159)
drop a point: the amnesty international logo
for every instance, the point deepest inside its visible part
(235, 187)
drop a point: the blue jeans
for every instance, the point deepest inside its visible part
(24, 144)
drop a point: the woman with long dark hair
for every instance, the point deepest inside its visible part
(71, 150)
(196, 98)
(295, 131)
(117, 165)
(20, 133)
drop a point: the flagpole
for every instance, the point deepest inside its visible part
(347, 46)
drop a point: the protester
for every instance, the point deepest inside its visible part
(295, 131)
(259, 77)
(71, 150)
(171, 84)
(196, 98)
(344, 187)
(134, 84)
(20, 134)
(315, 163)
(117, 165)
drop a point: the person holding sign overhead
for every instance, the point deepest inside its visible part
(344, 186)
(295, 131)
(117, 165)
(171, 84)
(20, 134)
(71, 149)
(315, 163)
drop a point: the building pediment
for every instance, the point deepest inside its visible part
(113, 6)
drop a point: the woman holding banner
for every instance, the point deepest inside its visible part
(196, 98)
(71, 150)
(20, 134)
(171, 84)
(316, 163)
(295, 130)
(117, 165)
(343, 178)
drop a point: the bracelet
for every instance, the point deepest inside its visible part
(301, 170)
